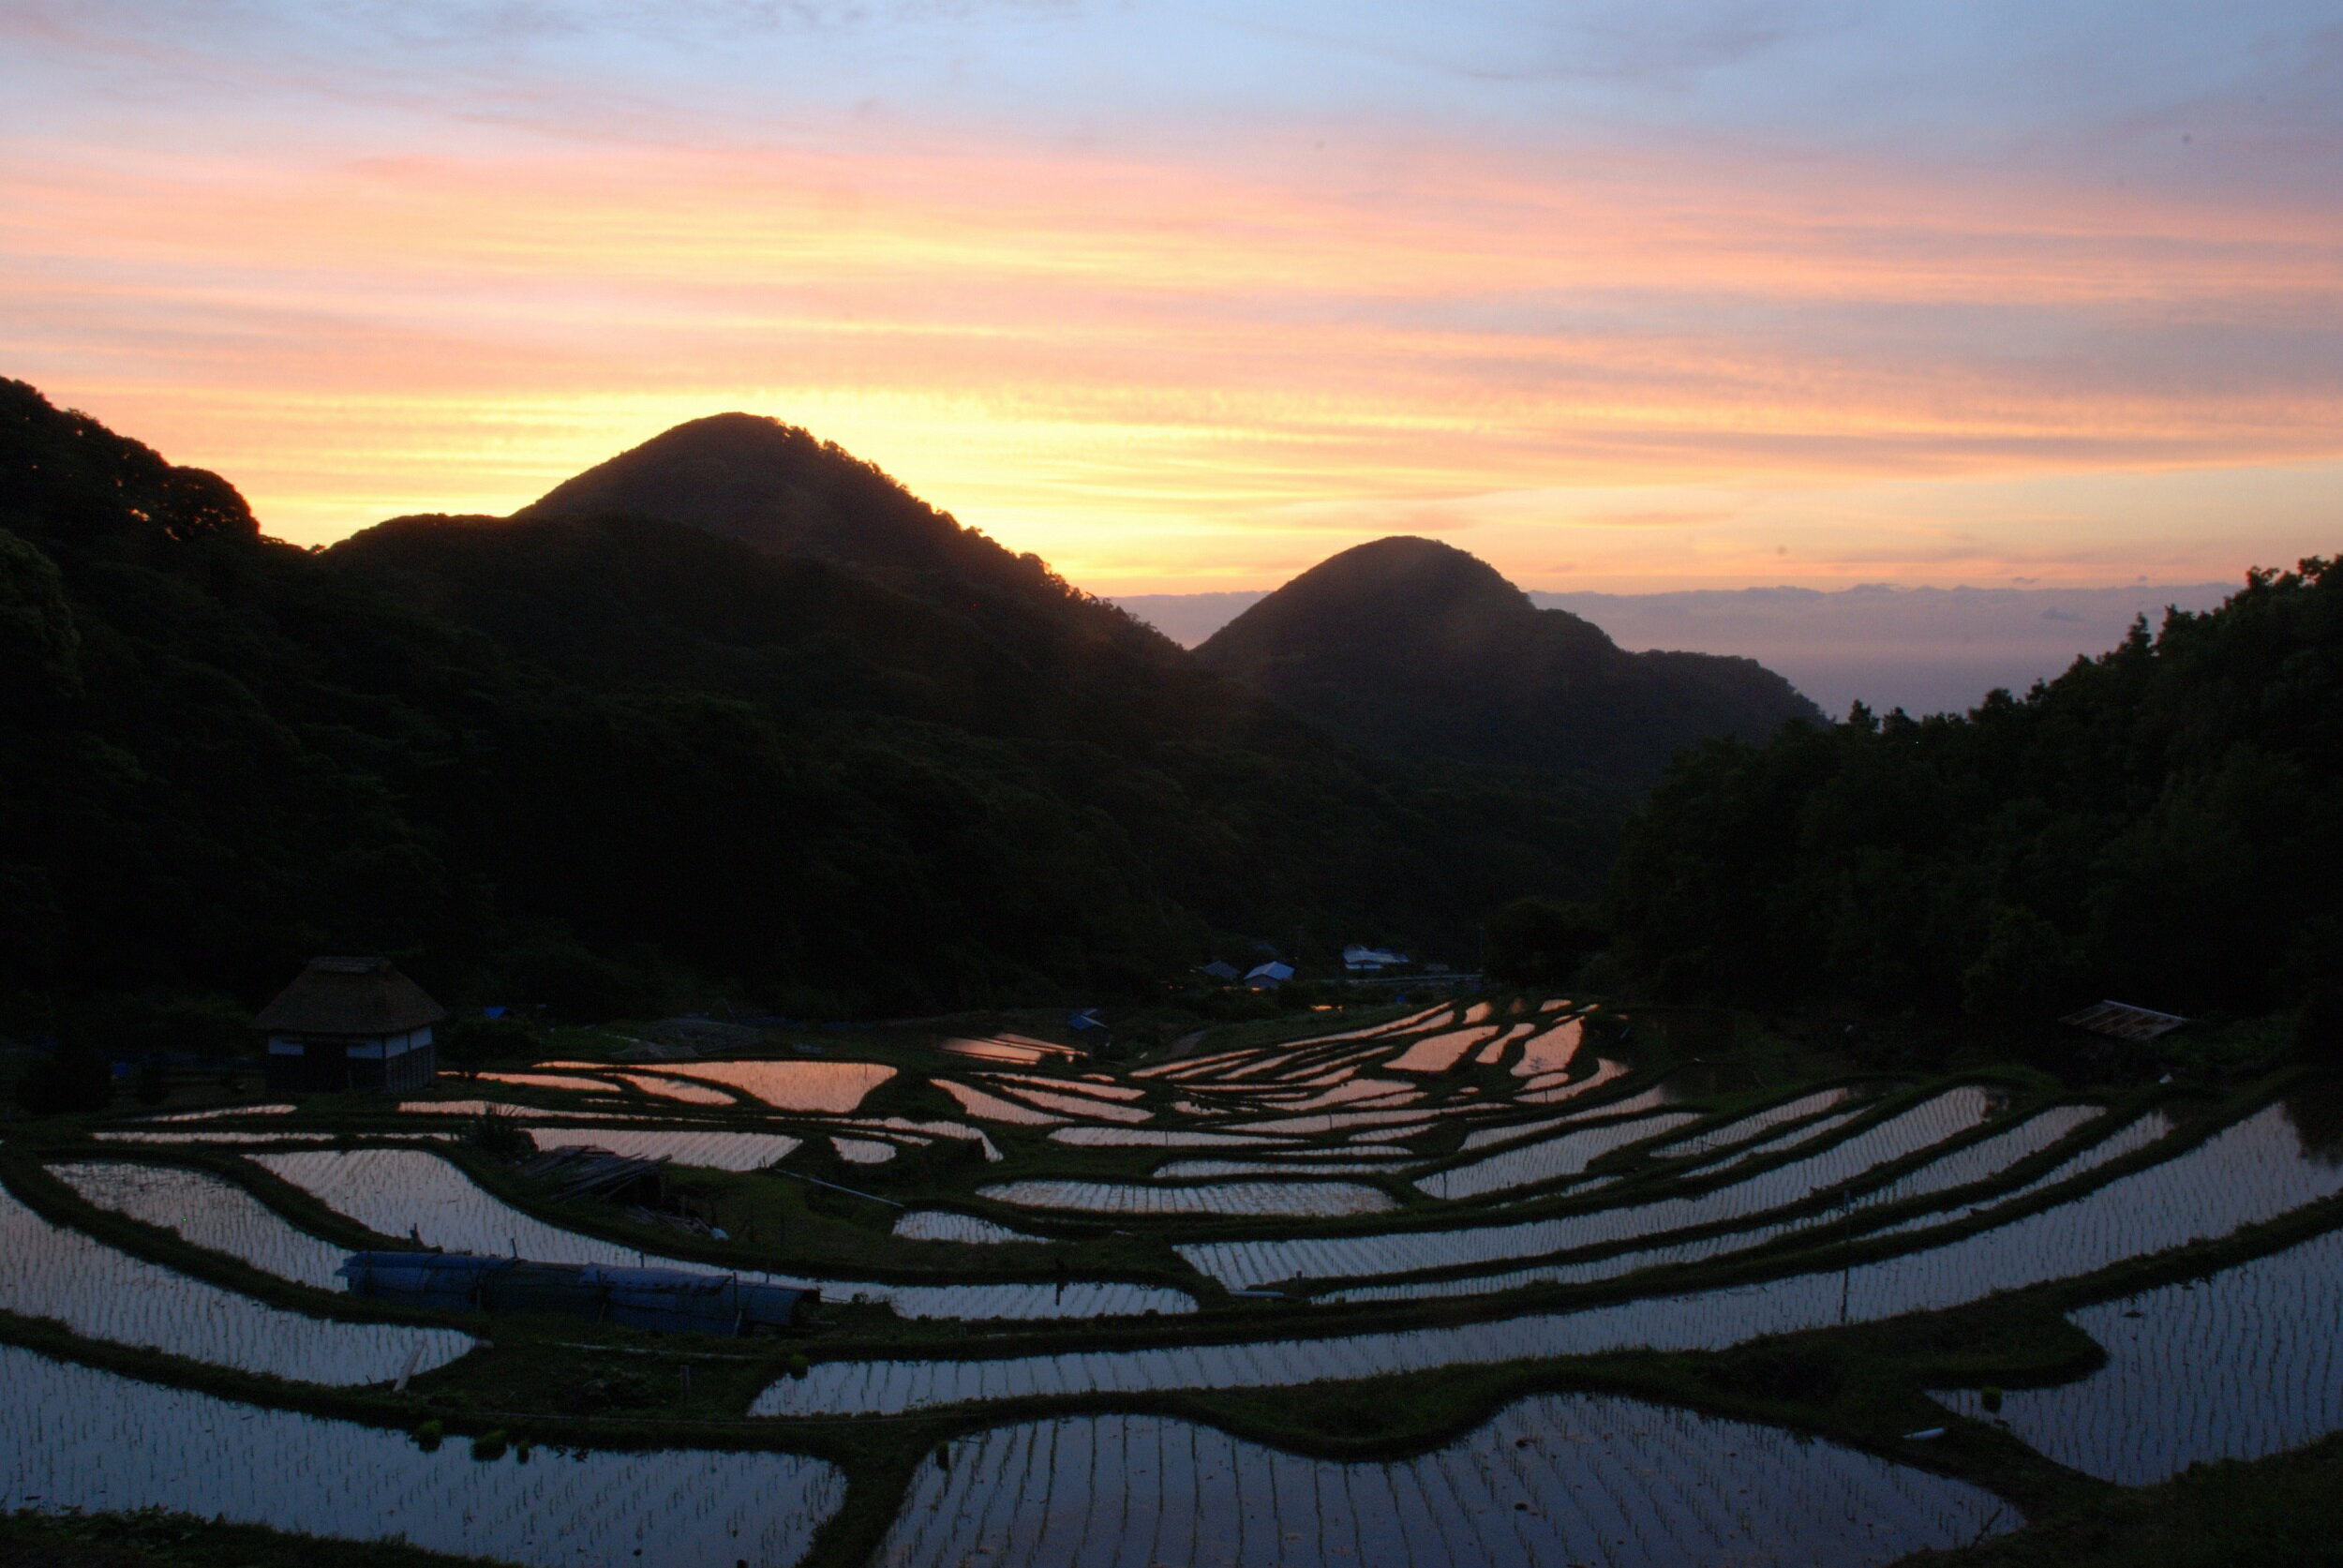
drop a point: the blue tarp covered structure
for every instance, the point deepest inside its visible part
(668, 1301)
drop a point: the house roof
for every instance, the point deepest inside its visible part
(362, 997)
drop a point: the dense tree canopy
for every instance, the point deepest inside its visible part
(2163, 823)
(595, 760)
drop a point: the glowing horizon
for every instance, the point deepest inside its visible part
(1708, 295)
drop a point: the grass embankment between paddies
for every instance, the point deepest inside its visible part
(30, 1538)
(2285, 1509)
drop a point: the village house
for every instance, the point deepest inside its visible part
(350, 1023)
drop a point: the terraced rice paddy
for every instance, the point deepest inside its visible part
(1359, 1257)
(834, 1087)
(408, 1193)
(475, 1108)
(1557, 1479)
(965, 1229)
(676, 1089)
(714, 1150)
(206, 1137)
(1317, 1198)
(1462, 1152)
(1551, 1052)
(1747, 1128)
(2247, 1174)
(1549, 1159)
(78, 1438)
(381, 1188)
(2245, 1362)
(209, 1211)
(568, 1083)
(993, 1108)
(105, 1295)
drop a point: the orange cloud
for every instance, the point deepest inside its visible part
(1202, 369)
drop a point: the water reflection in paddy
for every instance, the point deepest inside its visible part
(388, 1190)
(2253, 1172)
(1243, 1262)
(53, 1272)
(1225, 1198)
(835, 1087)
(1557, 1479)
(710, 1149)
(209, 1211)
(77, 1438)
(2244, 1363)
(1549, 1159)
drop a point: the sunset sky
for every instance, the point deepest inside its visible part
(1620, 296)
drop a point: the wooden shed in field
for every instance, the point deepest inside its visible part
(350, 1023)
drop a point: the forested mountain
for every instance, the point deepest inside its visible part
(2163, 825)
(1415, 650)
(587, 759)
(786, 492)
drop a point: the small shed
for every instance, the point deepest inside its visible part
(1268, 976)
(350, 1023)
(1360, 959)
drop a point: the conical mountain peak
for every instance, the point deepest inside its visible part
(1418, 650)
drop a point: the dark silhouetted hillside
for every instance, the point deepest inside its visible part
(595, 759)
(784, 491)
(1415, 650)
(2162, 823)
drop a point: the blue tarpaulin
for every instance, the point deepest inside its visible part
(668, 1301)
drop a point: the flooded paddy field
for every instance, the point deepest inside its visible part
(1046, 1227)
(2244, 1363)
(1223, 1197)
(74, 1437)
(1556, 1479)
(102, 1294)
(1364, 1256)
(385, 1187)
(2253, 1172)
(210, 1212)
